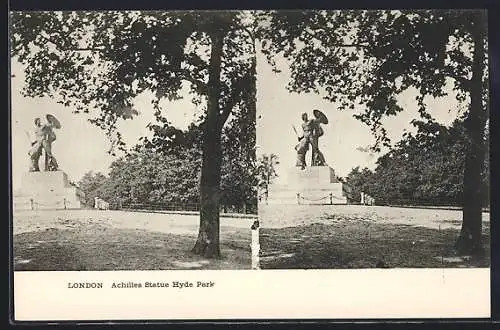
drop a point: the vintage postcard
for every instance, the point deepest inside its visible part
(246, 164)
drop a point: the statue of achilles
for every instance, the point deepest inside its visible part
(44, 137)
(311, 132)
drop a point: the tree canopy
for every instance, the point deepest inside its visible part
(424, 168)
(100, 61)
(266, 172)
(93, 184)
(364, 59)
(166, 174)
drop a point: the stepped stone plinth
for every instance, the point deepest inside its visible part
(312, 185)
(47, 190)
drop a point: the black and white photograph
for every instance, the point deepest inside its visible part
(133, 140)
(372, 140)
(190, 164)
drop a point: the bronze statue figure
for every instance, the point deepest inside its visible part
(311, 132)
(317, 156)
(44, 136)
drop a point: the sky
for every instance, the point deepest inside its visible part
(278, 110)
(81, 147)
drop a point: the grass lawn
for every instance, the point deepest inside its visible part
(362, 244)
(66, 241)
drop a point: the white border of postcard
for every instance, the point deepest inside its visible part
(264, 294)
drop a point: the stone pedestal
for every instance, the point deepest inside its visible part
(313, 185)
(47, 190)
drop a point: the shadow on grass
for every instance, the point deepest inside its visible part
(98, 248)
(359, 244)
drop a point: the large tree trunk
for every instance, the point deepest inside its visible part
(207, 243)
(469, 241)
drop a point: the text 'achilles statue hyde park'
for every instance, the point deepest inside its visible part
(50, 188)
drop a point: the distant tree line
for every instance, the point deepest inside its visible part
(168, 173)
(425, 168)
(266, 173)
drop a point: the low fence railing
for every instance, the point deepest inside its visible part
(180, 207)
(437, 203)
(327, 199)
(33, 204)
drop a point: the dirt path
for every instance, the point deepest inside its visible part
(27, 221)
(113, 240)
(281, 216)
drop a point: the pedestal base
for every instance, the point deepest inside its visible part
(313, 185)
(47, 190)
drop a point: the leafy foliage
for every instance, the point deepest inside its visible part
(148, 177)
(359, 181)
(425, 168)
(266, 172)
(93, 185)
(367, 58)
(169, 173)
(98, 62)
(101, 61)
(238, 180)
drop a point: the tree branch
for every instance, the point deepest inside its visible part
(242, 28)
(464, 82)
(249, 32)
(340, 45)
(201, 87)
(62, 48)
(233, 99)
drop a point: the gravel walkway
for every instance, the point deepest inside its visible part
(280, 216)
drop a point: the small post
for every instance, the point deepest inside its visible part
(331, 199)
(255, 246)
(64, 202)
(298, 198)
(32, 204)
(442, 256)
(46, 162)
(362, 198)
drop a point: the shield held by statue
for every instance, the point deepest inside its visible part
(53, 121)
(320, 116)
